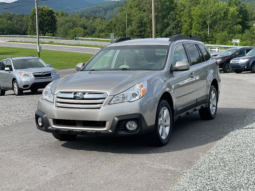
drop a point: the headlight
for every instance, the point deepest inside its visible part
(47, 94)
(54, 72)
(243, 60)
(133, 94)
(25, 74)
(218, 60)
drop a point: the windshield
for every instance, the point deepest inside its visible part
(251, 53)
(28, 63)
(130, 58)
(227, 52)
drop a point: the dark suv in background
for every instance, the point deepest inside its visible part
(225, 57)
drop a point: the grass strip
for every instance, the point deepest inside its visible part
(57, 59)
(55, 43)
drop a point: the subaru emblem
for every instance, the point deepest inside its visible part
(78, 96)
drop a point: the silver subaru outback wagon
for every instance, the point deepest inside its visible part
(25, 73)
(133, 87)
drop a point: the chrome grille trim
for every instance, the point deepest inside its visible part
(89, 100)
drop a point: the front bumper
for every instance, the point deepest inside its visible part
(242, 67)
(33, 83)
(117, 127)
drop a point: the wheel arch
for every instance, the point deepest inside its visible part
(168, 97)
(216, 85)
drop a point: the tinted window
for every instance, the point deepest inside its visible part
(241, 52)
(2, 66)
(204, 52)
(179, 55)
(130, 57)
(195, 57)
(227, 52)
(251, 53)
(247, 50)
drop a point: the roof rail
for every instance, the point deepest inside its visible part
(122, 39)
(7, 57)
(184, 37)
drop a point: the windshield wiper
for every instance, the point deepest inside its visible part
(125, 69)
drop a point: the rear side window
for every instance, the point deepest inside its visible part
(194, 56)
(204, 52)
(2, 66)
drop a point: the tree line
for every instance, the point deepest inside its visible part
(213, 21)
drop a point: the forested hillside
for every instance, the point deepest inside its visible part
(106, 9)
(214, 21)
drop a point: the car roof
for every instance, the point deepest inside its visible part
(148, 41)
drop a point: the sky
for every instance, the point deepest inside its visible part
(7, 1)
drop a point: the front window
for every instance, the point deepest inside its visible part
(227, 52)
(28, 63)
(251, 53)
(130, 58)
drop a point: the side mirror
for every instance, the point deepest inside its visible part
(7, 69)
(79, 66)
(48, 65)
(181, 66)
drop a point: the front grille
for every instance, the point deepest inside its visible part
(39, 78)
(84, 101)
(74, 123)
(42, 75)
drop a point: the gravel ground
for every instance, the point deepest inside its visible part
(20, 109)
(230, 164)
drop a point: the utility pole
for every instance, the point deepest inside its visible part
(37, 29)
(126, 23)
(153, 20)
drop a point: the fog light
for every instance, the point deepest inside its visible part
(40, 121)
(131, 125)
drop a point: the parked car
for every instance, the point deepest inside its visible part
(25, 73)
(245, 63)
(225, 57)
(133, 87)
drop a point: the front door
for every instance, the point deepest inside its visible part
(184, 83)
(8, 75)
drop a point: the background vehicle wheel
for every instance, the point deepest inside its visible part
(239, 71)
(253, 68)
(34, 90)
(209, 113)
(2, 92)
(16, 89)
(62, 137)
(163, 125)
(227, 68)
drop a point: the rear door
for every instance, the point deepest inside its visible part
(2, 73)
(184, 82)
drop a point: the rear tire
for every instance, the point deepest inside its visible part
(63, 137)
(239, 71)
(253, 68)
(210, 112)
(2, 92)
(34, 90)
(163, 125)
(227, 68)
(17, 91)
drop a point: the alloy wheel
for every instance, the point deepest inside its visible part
(213, 102)
(164, 120)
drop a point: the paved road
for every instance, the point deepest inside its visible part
(75, 49)
(34, 160)
(55, 40)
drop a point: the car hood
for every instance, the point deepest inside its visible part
(243, 57)
(32, 70)
(221, 57)
(111, 82)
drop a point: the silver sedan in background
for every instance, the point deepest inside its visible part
(25, 73)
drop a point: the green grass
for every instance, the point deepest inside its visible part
(57, 59)
(54, 43)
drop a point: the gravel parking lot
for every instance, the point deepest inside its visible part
(202, 155)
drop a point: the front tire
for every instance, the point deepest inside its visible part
(210, 112)
(163, 125)
(253, 68)
(17, 91)
(227, 68)
(63, 137)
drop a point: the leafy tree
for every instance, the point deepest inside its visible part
(47, 21)
(76, 32)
